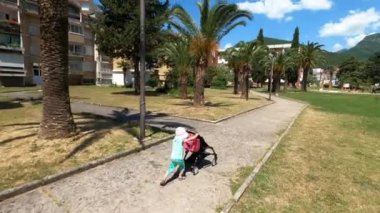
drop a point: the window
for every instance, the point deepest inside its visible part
(74, 28)
(75, 66)
(76, 49)
(85, 6)
(9, 40)
(36, 70)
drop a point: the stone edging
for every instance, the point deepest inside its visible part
(227, 208)
(225, 118)
(9, 193)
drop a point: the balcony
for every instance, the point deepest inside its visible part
(11, 1)
(9, 27)
(12, 64)
(32, 7)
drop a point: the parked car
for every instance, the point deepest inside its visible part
(375, 87)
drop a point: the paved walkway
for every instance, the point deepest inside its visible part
(131, 184)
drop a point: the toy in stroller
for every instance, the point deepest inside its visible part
(196, 152)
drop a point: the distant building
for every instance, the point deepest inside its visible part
(20, 44)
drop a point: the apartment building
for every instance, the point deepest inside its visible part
(12, 70)
(20, 44)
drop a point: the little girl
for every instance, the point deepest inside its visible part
(176, 159)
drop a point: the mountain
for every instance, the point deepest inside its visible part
(362, 51)
(269, 41)
(366, 47)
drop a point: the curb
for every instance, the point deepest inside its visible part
(73, 100)
(225, 118)
(177, 116)
(227, 208)
(12, 192)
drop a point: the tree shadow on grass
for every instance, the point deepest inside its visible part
(16, 138)
(207, 104)
(98, 127)
(132, 93)
(102, 126)
(238, 97)
(10, 105)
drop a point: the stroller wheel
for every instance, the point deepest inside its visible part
(195, 170)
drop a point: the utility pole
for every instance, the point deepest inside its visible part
(142, 71)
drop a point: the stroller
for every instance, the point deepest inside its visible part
(197, 148)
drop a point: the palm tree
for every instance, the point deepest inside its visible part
(282, 63)
(240, 59)
(215, 22)
(308, 56)
(177, 53)
(57, 119)
(234, 62)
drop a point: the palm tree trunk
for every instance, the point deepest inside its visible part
(200, 72)
(330, 82)
(276, 83)
(286, 83)
(304, 79)
(300, 71)
(125, 76)
(183, 86)
(57, 120)
(244, 84)
(236, 81)
(241, 81)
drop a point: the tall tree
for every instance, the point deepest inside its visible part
(177, 54)
(296, 47)
(240, 59)
(234, 64)
(117, 30)
(283, 62)
(57, 119)
(215, 22)
(296, 39)
(309, 55)
(260, 37)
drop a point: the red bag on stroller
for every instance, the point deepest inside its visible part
(192, 145)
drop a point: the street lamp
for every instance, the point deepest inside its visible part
(271, 56)
(142, 71)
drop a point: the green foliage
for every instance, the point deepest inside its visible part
(373, 68)
(153, 81)
(352, 71)
(215, 22)
(117, 27)
(221, 77)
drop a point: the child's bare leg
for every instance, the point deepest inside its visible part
(168, 176)
(182, 174)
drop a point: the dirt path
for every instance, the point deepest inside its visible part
(131, 184)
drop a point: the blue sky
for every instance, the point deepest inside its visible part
(337, 24)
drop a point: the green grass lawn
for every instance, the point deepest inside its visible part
(329, 161)
(26, 157)
(219, 103)
(17, 89)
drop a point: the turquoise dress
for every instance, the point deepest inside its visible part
(176, 158)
